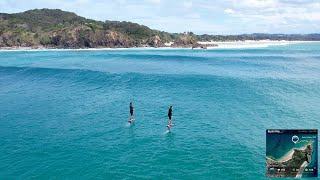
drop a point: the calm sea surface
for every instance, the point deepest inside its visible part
(64, 114)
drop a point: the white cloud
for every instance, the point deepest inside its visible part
(283, 15)
(82, 1)
(122, 2)
(193, 16)
(183, 24)
(154, 1)
(187, 4)
(256, 3)
(229, 11)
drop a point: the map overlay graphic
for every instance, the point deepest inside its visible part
(291, 153)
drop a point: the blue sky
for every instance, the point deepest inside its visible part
(198, 16)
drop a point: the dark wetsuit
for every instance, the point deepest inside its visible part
(170, 113)
(131, 109)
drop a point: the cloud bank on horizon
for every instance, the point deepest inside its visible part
(201, 16)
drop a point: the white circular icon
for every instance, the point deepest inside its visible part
(295, 139)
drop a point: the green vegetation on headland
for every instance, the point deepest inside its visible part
(293, 166)
(54, 28)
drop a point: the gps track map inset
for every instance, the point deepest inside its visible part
(292, 153)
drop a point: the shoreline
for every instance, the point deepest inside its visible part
(289, 155)
(221, 45)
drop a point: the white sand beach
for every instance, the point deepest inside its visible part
(287, 156)
(221, 45)
(250, 43)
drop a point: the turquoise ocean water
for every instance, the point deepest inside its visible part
(63, 114)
